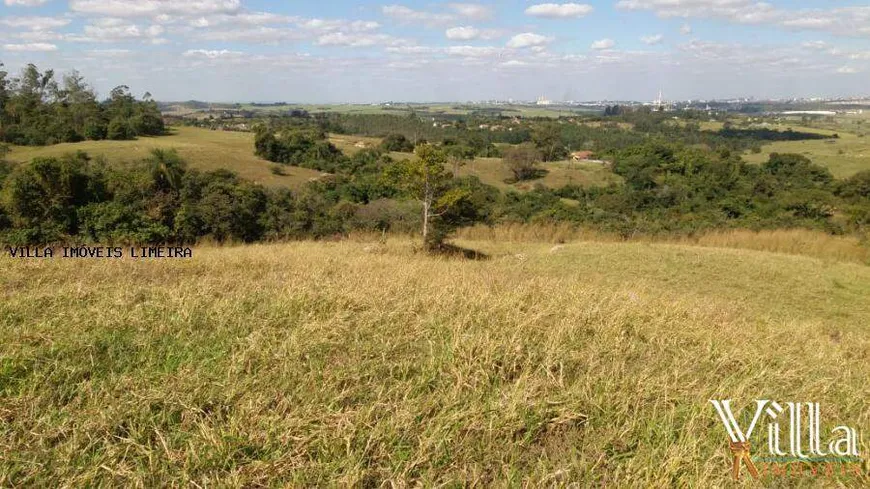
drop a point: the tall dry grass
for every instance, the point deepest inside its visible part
(803, 242)
(354, 364)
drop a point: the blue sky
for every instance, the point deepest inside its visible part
(416, 50)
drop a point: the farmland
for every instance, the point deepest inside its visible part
(361, 361)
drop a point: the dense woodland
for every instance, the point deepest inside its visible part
(36, 109)
(676, 178)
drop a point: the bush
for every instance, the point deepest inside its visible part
(388, 215)
(115, 223)
(119, 130)
(147, 125)
(523, 163)
(95, 130)
(397, 143)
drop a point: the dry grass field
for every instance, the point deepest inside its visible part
(815, 244)
(492, 171)
(210, 150)
(368, 364)
(201, 148)
(350, 145)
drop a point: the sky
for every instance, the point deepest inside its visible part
(367, 51)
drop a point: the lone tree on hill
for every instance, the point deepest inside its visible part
(426, 180)
(523, 161)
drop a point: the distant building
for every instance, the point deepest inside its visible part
(542, 100)
(582, 155)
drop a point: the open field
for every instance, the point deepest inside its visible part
(210, 150)
(201, 148)
(803, 242)
(845, 156)
(492, 171)
(348, 144)
(312, 364)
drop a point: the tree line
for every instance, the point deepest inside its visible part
(667, 188)
(37, 109)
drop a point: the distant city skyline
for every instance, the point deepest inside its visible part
(367, 51)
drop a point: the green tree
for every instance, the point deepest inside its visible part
(167, 169)
(4, 99)
(398, 143)
(42, 196)
(547, 138)
(522, 161)
(458, 156)
(120, 129)
(426, 180)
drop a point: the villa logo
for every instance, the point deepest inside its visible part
(804, 443)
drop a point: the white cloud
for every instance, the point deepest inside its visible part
(266, 28)
(473, 51)
(242, 18)
(114, 30)
(412, 50)
(847, 70)
(740, 10)
(471, 10)
(357, 40)
(407, 15)
(36, 46)
(322, 25)
(560, 10)
(38, 36)
(109, 53)
(528, 39)
(34, 23)
(211, 54)
(24, 3)
(153, 8)
(469, 33)
(603, 44)
(462, 33)
(652, 40)
(256, 35)
(842, 21)
(815, 45)
(685, 29)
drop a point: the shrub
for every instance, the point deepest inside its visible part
(397, 143)
(120, 129)
(523, 162)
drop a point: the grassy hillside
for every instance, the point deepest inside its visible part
(844, 157)
(358, 363)
(201, 148)
(209, 150)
